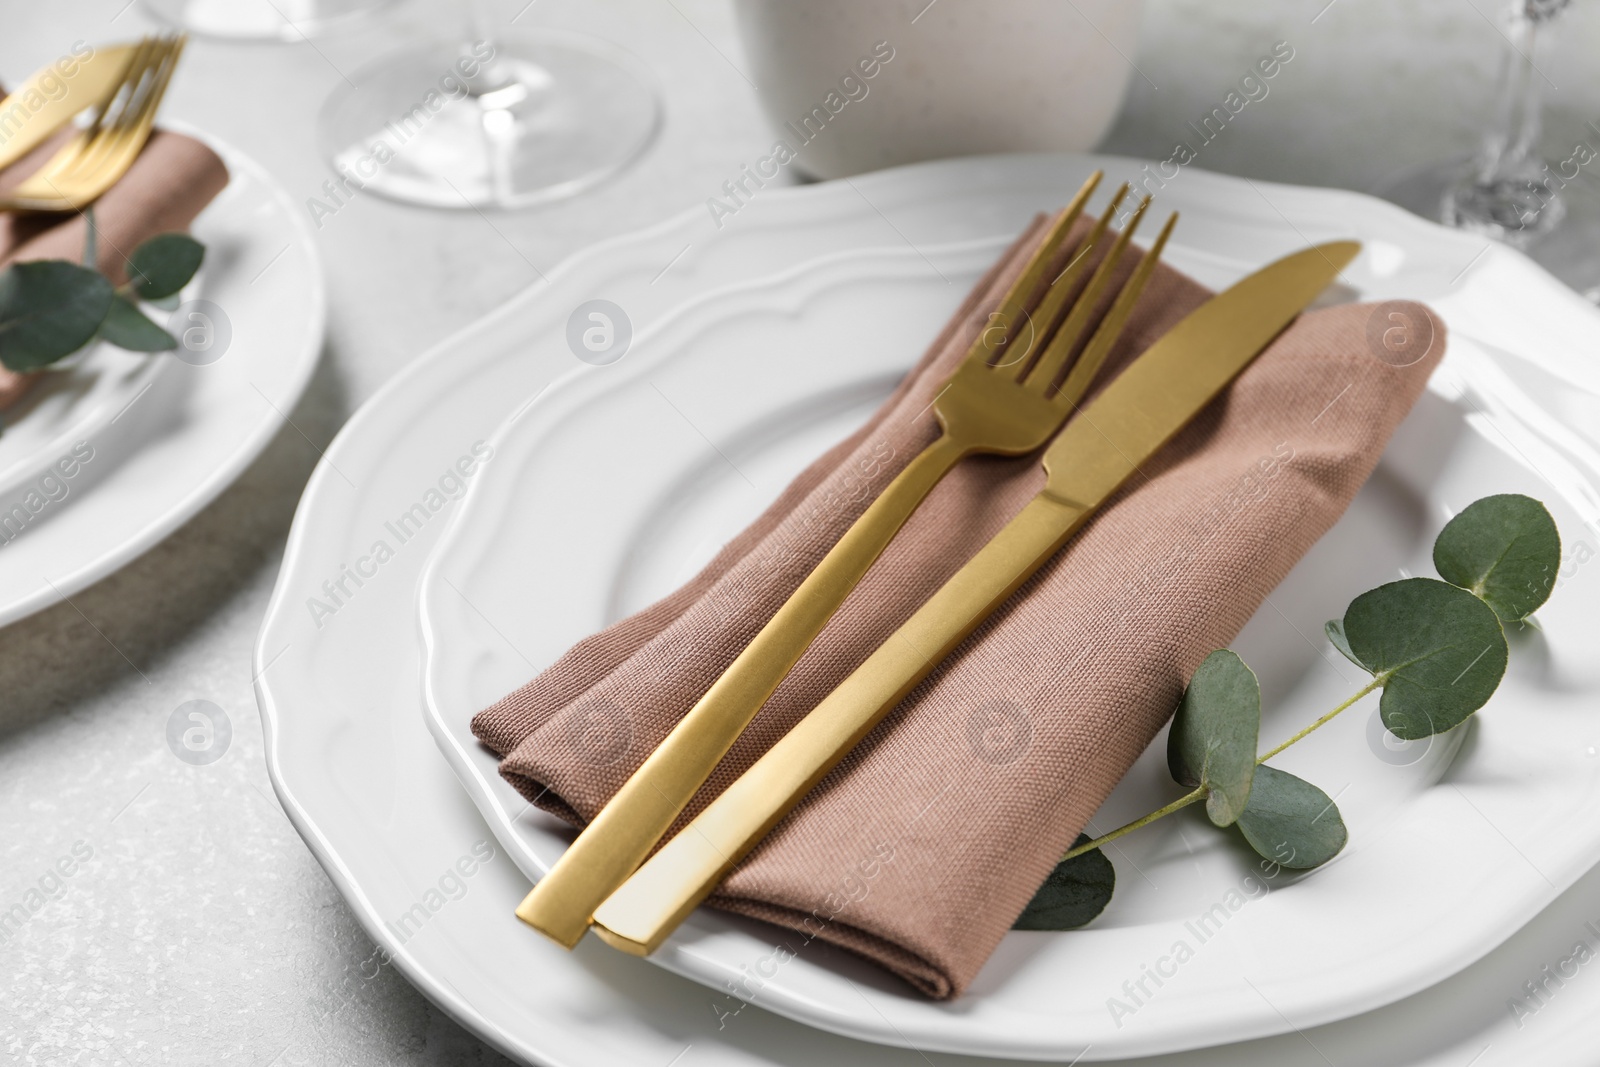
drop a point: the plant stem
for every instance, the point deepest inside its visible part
(1200, 793)
(1376, 682)
(1182, 802)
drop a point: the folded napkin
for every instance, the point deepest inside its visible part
(923, 846)
(173, 179)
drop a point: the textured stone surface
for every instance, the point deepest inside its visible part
(200, 930)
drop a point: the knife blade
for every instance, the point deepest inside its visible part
(29, 114)
(1103, 445)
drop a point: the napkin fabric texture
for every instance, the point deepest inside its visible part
(923, 846)
(173, 179)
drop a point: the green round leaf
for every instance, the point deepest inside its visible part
(164, 264)
(1214, 734)
(1291, 822)
(126, 327)
(48, 309)
(1074, 893)
(1437, 650)
(1505, 549)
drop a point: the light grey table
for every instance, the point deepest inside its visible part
(202, 932)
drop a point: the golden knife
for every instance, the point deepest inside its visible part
(50, 98)
(1095, 454)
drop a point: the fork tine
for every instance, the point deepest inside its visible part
(1048, 314)
(130, 76)
(46, 188)
(1042, 375)
(99, 154)
(110, 113)
(1110, 329)
(90, 145)
(145, 83)
(1021, 293)
(139, 125)
(120, 145)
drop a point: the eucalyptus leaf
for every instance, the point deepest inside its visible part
(49, 309)
(127, 327)
(1074, 893)
(1291, 822)
(1214, 734)
(1437, 650)
(1334, 628)
(1505, 549)
(164, 264)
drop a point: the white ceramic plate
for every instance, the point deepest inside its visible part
(166, 436)
(362, 781)
(547, 549)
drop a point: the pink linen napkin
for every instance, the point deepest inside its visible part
(923, 846)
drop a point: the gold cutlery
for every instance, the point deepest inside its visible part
(1097, 451)
(32, 111)
(102, 152)
(1000, 400)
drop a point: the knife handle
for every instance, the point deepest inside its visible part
(661, 894)
(644, 809)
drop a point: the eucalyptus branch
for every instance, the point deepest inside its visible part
(51, 308)
(1444, 643)
(1201, 792)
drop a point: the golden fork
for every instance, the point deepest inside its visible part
(102, 152)
(999, 401)
(54, 95)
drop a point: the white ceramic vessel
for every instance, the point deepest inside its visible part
(150, 440)
(545, 550)
(858, 85)
(363, 783)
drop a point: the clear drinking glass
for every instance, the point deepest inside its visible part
(260, 20)
(499, 120)
(1507, 190)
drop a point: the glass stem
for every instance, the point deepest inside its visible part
(479, 24)
(1511, 142)
(492, 75)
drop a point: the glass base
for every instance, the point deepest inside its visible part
(1559, 228)
(260, 20)
(1515, 211)
(545, 116)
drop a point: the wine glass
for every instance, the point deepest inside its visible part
(500, 120)
(1506, 190)
(260, 20)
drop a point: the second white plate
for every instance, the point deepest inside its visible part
(150, 440)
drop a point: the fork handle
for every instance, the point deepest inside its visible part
(644, 809)
(651, 904)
